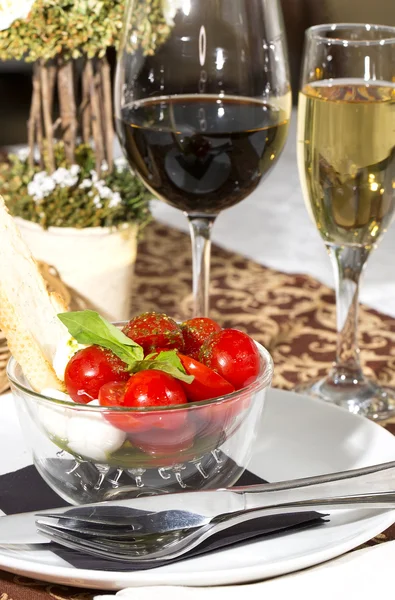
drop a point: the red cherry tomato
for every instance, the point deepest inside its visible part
(89, 369)
(216, 418)
(162, 442)
(112, 395)
(207, 383)
(195, 332)
(153, 388)
(154, 330)
(146, 389)
(232, 354)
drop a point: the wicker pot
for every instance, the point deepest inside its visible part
(96, 263)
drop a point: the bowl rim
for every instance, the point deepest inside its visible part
(262, 381)
(316, 32)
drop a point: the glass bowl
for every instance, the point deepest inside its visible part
(92, 453)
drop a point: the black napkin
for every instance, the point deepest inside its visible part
(25, 490)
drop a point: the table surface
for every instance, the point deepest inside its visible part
(292, 314)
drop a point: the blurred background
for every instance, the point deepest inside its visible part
(271, 226)
(15, 81)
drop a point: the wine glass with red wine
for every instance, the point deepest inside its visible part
(203, 104)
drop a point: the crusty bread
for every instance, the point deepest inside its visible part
(28, 313)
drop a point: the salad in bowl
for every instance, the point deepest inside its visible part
(117, 410)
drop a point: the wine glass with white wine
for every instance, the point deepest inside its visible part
(346, 160)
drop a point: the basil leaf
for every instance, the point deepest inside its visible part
(167, 361)
(88, 327)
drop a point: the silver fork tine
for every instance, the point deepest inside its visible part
(107, 533)
(94, 547)
(160, 522)
(114, 520)
(83, 542)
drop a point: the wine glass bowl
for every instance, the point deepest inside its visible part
(346, 160)
(202, 107)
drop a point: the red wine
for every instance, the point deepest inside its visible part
(202, 154)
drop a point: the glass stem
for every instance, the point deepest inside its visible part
(200, 229)
(348, 264)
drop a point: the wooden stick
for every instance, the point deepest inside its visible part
(85, 107)
(55, 127)
(108, 112)
(47, 117)
(34, 113)
(68, 111)
(52, 73)
(96, 120)
(39, 123)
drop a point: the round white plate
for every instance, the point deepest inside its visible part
(298, 437)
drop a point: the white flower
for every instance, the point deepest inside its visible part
(11, 10)
(64, 177)
(104, 165)
(40, 176)
(85, 184)
(23, 154)
(115, 200)
(97, 202)
(94, 176)
(170, 8)
(75, 169)
(40, 186)
(60, 174)
(120, 164)
(104, 191)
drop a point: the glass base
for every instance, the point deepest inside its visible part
(358, 395)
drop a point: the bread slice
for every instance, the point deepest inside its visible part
(28, 312)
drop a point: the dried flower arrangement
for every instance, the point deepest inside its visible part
(67, 41)
(79, 209)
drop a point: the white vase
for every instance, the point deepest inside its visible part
(96, 263)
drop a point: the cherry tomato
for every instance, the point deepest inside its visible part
(195, 332)
(154, 388)
(216, 418)
(112, 394)
(232, 354)
(146, 389)
(165, 443)
(89, 369)
(207, 383)
(154, 330)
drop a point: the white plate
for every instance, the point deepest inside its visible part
(298, 437)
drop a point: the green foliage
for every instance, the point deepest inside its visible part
(73, 28)
(111, 200)
(77, 28)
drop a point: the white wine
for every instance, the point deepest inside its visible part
(346, 158)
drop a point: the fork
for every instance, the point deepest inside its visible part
(153, 547)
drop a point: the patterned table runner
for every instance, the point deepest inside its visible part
(292, 315)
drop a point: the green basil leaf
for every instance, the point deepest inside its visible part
(167, 361)
(88, 327)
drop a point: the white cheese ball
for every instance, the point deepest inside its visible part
(92, 436)
(65, 350)
(54, 420)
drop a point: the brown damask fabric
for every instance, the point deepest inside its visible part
(292, 315)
